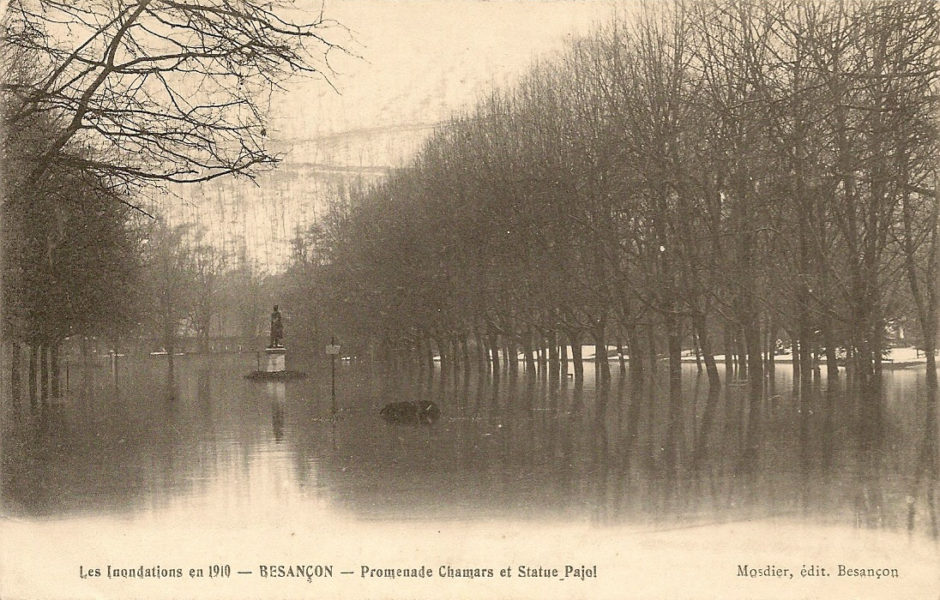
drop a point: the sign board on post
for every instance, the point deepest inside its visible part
(332, 349)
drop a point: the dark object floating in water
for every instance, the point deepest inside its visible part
(424, 412)
(275, 375)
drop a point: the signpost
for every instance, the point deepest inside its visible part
(333, 349)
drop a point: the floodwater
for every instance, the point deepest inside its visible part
(515, 449)
(219, 472)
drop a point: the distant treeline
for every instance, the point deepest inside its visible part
(711, 173)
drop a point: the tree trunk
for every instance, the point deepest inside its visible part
(602, 365)
(742, 355)
(563, 358)
(700, 324)
(651, 338)
(620, 356)
(926, 300)
(771, 361)
(553, 365)
(512, 355)
(755, 366)
(574, 338)
(543, 352)
(832, 360)
(636, 354)
(527, 352)
(442, 353)
(674, 347)
(795, 359)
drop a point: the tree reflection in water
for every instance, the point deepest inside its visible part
(522, 446)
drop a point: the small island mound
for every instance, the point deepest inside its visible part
(422, 412)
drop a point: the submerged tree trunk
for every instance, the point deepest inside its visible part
(553, 364)
(620, 356)
(428, 354)
(699, 323)
(33, 375)
(54, 366)
(481, 350)
(866, 377)
(926, 299)
(832, 359)
(635, 354)
(574, 338)
(44, 372)
(742, 355)
(729, 353)
(770, 361)
(442, 352)
(15, 377)
(674, 347)
(563, 359)
(494, 350)
(457, 352)
(755, 365)
(543, 352)
(600, 353)
(512, 355)
(795, 357)
(527, 352)
(465, 353)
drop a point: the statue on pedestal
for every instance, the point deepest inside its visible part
(277, 329)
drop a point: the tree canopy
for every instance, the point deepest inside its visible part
(158, 90)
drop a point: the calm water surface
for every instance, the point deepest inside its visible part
(516, 449)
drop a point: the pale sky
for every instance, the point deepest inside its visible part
(421, 60)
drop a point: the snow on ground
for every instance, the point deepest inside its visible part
(905, 356)
(897, 357)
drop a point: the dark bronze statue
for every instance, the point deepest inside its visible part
(277, 329)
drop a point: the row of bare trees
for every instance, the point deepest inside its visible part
(716, 174)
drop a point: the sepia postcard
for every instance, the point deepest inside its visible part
(469, 299)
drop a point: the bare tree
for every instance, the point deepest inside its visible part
(208, 265)
(160, 90)
(169, 265)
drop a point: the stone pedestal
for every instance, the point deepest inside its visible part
(274, 360)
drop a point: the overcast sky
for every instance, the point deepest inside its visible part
(422, 59)
(417, 62)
